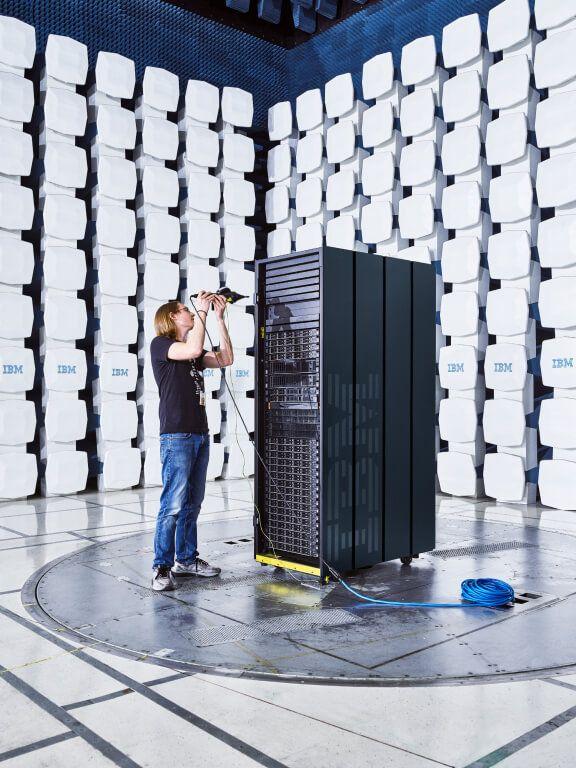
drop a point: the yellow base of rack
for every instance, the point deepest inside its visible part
(278, 562)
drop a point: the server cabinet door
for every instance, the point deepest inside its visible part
(368, 408)
(337, 408)
(423, 408)
(397, 408)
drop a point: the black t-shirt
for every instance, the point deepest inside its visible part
(181, 385)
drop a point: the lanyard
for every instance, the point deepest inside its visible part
(198, 383)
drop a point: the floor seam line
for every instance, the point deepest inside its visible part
(87, 734)
(331, 725)
(40, 544)
(34, 746)
(525, 740)
(12, 530)
(224, 737)
(128, 511)
(122, 692)
(561, 683)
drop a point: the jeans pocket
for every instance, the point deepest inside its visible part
(167, 437)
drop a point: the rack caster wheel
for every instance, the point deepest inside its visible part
(406, 560)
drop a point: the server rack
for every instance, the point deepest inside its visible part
(345, 403)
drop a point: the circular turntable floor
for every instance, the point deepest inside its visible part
(262, 622)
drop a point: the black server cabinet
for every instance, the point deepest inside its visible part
(345, 404)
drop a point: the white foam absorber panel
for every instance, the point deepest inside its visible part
(239, 457)
(18, 468)
(235, 245)
(16, 98)
(216, 461)
(457, 474)
(556, 484)
(17, 44)
(201, 104)
(113, 201)
(554, 65)
(458, 420)
(16, 152)
(115, 78)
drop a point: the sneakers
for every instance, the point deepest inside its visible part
(163, 581)
(196, 567)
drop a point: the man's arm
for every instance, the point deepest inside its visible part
(225, 355)
(194, 344)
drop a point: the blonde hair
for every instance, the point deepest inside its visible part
(163, 323)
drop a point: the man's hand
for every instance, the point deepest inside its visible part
(219, 305)
(203, 301)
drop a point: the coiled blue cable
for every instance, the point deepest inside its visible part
(477, 593)
(490, 593)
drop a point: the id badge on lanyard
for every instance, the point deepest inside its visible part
(196, 376)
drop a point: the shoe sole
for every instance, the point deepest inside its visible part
(170, 588)
(197, 575)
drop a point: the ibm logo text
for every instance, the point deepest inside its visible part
(562, 362)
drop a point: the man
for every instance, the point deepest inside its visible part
(178, 358)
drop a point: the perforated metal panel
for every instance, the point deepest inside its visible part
(481, 549)
(292, 423)
(296, 622)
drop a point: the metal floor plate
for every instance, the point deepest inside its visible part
(262, 622)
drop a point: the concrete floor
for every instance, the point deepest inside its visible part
(62, 704)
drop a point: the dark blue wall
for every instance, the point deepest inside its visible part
(159, 34)
(384, 26)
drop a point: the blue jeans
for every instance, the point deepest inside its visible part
(184, 459)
